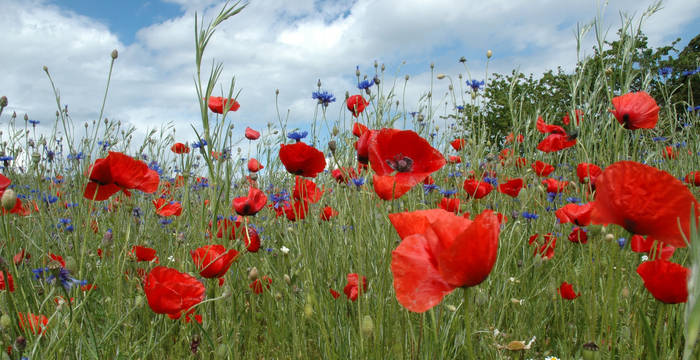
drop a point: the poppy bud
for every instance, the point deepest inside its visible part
(335, 130)
(36, 157)
(406, 77)
(308, 311)
(357, 71)
(253, 274)
(332, 145)
(5, 321)
(489, 53)
(432, 65)
(420, 117)
(590, 351)
(383, 67)
(26, 117)
(376, 80)
(451, 307)
(46, 69)
(609, 237)
(114, 54)
(318, 83)
(440, 76)
(277, 91)
(3, 101)
(9, 199)
(138, 301)
(367, 326)
(608, 71)
(14, 114)
(287, 279)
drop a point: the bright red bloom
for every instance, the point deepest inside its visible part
(567, 292)
(511, 187)
(477, 189)
(558, 138)
(171, 292)
(542, 168)
(454, 159)
(180, 148)
(666, 281)
(578, 235)
(37, 324)
(358, 129)
(251, 134)
(213, 261)
(362, 146)
(669, 153)
(297, 210)
(344, 174)
(356, 104)
(251, 239)
(645, 201)
(579, 116)
(302, 159)
(637, 110)
(254, 165)
(546, 247)
(458, 144)
(642, 244)
(440, 252)
(449, 204)
(334, 294)
(58, 258)
(510, 138)
(257, 285)
(401, 159)
(119, 172)
(554, 185)
(575, 214)
(9, 280)
(251, 204)
(227, 226)
(142, 253)
(587, 172)
(306, 190)
(693, 178)
(327, 213)
(352, 289)
(217, 104)
(167, 208)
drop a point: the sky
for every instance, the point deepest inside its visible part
(287, 46)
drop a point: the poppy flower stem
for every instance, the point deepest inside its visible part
(468, 326)
(212, 295)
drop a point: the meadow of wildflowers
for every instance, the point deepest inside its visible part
(382, 232)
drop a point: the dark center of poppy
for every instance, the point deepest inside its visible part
(572, 135)
(400, 163)
(630, 225)
(626, 121)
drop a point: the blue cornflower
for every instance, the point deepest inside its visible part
(429, 187)
(455, 174)
(280, 198)
(136, 212)
(448, 193)
(153, 165)
(552, 197)
(475, 84)
(324, 97)
(621, 241)
(199, 144)
(491, 180)
(665, 71)
(413, 113)
(691, 109)
(105, 144)
(78, 156)
(681, 144)
(358, 182)
(365, 84)
(573, 199)
(6, 158)
(530, 216)
(460, 107)
(659, 138)
(64, 221)
(690, 72)
(63, 275)
(297, 135)
(34, 122)
(49, 199)
(165, 221)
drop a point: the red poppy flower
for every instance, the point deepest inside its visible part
(554, 185)
(334, 294)
(578, 235)
(579, 116)
(510, 138)
(358, 129)
(645, 201)
(217, 104)
(306, 190)
(587, 172)
(401, 159)
(440, 252)
(328, 213)
(558, 138)
(449, 204)
(356, 104)
(362, 146)
(58, 258)
(297, 210)
(429, 180)
(257, 285)
(545, 247)
(227, 226)
(254, 165)
(251, 204)
(636, 110)
(142, 253)
(167, 208)
(477, 189)
(213, 261)
(37, 324)
(180, 148)
(251, 239)
(21, 255)
(666, 281)
(520, 162)
(567, 292)
(542, 168)
(511, 187)
(458, 144)
(9, 280)
(642, 244)
(169, 291)
(575, 213)
(693, 178)
(251, 134)
(454, 159)
(669, 153)
(302, 159)
(352, 289)
(343, 175)
(119, 172)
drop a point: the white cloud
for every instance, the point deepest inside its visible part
(288, 46)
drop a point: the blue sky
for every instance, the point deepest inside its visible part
(286, 45)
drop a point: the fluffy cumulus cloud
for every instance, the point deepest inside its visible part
(289, 46)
